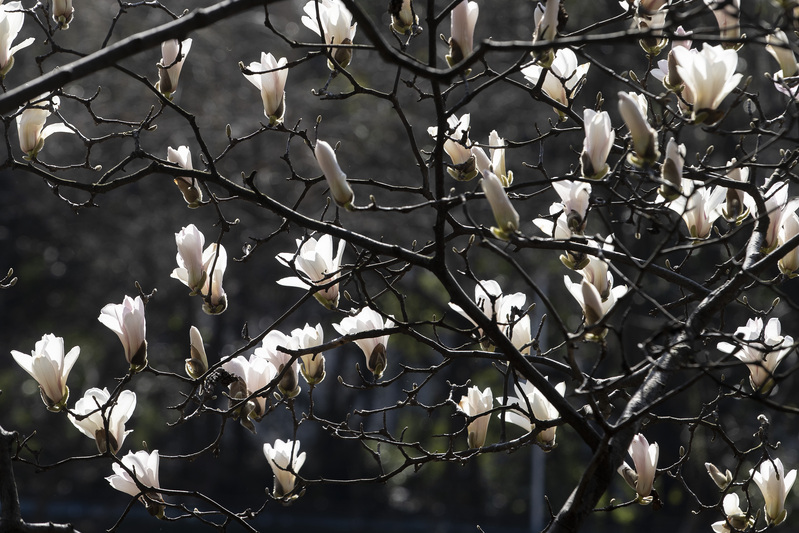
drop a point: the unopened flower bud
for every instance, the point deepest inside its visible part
(722, 481)
(336, 179)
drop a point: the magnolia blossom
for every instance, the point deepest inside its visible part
(633, 109)
(30, 125)
(727, 13)
(597, 274)
(317, 266)
(671, 171)
(48, 365)
(12, 17)
(789, 263)
(546, 29)
(271, 82)
(62, 13)
(648, 19)
(336, 27)
(505, 215)
(737, 204)
(574, 196)
(463, 20)
(214, 266)
(191, 190)
(313, 364)
(105, 420)
(403, 18)
(666, 70)
(197, 364)
(497, 151)
(761, 350)
(594, 306)
(736, 519)
(780, 48)
(774, 485)
(374, 348)
(270, 349)
(645, 459)
(173, 54)
(710, 76)
(505, 310)
(458, 147)
(562, 80)
(699, 207)
(559, 229)
(336, 179)
(599, 137)
(474, 404)
(285, 460)
(127, 321)
(144, 467)
(255, 374)
(722, 481)
(191, 268)
(779, 209)
(531, 407)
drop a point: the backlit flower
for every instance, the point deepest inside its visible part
(271, 84)
(31, 129)
(710, 76)
(563, 79)
(594, 306)
(775, 485)
(737, 203)
(336, 27)
(270, 349)
(458, 147)
(127, 321)
(374, 348)
(48, 365)
(599, 137)
(505, 215)
(105, 422)
(317, 266)
(403, 18)
(62, 13)
(313, 364)
(530, 407)
(633, 109)
(336, 179)
(574, 196)
(12, 17)
(214, 266)
(645, 459)
(474, 404)
(285, 460)
(736, 519)
(761, 350)
(144, 467)
(173, 54)
(191, 190)
(463, 20)
(191, 270)
(699, 207)
(255, 373)
(197, 364)
(671, 171)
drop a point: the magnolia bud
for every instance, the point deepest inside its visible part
(336, 179)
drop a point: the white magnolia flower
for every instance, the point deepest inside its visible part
(374, 348)
(508, 311)
(737, 204)
(12, 17)
(761, 350)
(594, 306)
(31, 129)
(722, 480)
(645, 459)
(106, 423)
(256, 373)
(599, 138)
(197, 364)
(735, 517)
(710, 76)
(559, 230)
(336, 179)
(458, 147)
(574, 196)
(699, 207)
(666, 70)
(127, 321)
(62, 13)
(779, 209)
(336, 28)
(671, 171)
(48, 365)
(317, 266)
(173, 54)
(289, 384)
(497, 151)
(529, 398)
(505, 215)
(463, 20)
(774, 485)
(563, 79)
(191, 190)
(313, 364)
(785, 80)
(214, 266)
(789, 263)
(403, 18)
(144, 467)
(633, 109)
(597, 274)
(727, 13)
(271, 84)
(474, 404)
(191, 268)
(651, 21)
(285, 460)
